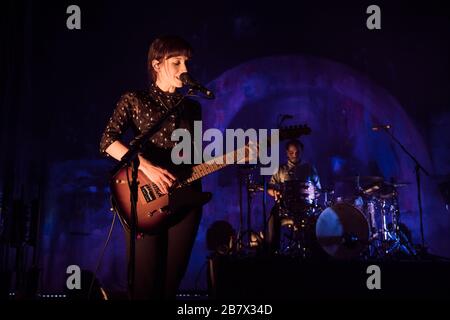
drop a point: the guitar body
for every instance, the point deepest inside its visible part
(155, 211)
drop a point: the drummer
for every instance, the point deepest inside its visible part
(294, 169)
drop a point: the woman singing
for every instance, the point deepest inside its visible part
(162, 258)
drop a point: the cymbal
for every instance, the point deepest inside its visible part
(255, 187)
(327, 189)
(247, 167)
(370, 191)
(397, 184)
(389, 195)
(362, 179)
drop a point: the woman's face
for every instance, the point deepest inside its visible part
(168, 71)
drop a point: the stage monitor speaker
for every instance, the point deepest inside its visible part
(285, 278)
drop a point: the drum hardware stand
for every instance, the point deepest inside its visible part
(297, 234)
(239, 236)
(264, 203)
(247, 234)
(327, 197)
(249, 213)
(301, 241)
(298, 239)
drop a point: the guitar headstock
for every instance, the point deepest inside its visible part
(251, 150)
(293, 132)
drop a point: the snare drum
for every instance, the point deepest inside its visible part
(298, 196)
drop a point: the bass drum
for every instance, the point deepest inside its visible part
(342, 231)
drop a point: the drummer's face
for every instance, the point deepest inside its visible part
(293, 153)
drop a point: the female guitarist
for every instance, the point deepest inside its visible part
(161, 258)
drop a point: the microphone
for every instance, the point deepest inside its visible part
(385, 126)
(189, 81)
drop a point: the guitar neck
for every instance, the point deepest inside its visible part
(213, 165)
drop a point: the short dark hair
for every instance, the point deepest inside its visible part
(166, 46)
(294, 142)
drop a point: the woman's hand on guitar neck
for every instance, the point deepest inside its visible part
(162, 178)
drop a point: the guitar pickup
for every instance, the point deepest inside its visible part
(147, 193)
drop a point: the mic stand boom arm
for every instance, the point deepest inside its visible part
(418, 167)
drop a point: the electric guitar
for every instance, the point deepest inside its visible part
(157, 211)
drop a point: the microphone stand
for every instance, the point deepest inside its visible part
(131, 159)
(417, 169)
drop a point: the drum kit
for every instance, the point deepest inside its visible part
(319, 224)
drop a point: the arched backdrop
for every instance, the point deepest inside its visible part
(339, 104)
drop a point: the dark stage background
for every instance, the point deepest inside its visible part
(314, 60)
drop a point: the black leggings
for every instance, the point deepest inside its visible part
(162, 259)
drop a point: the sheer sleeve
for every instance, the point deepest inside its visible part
(118, 123)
